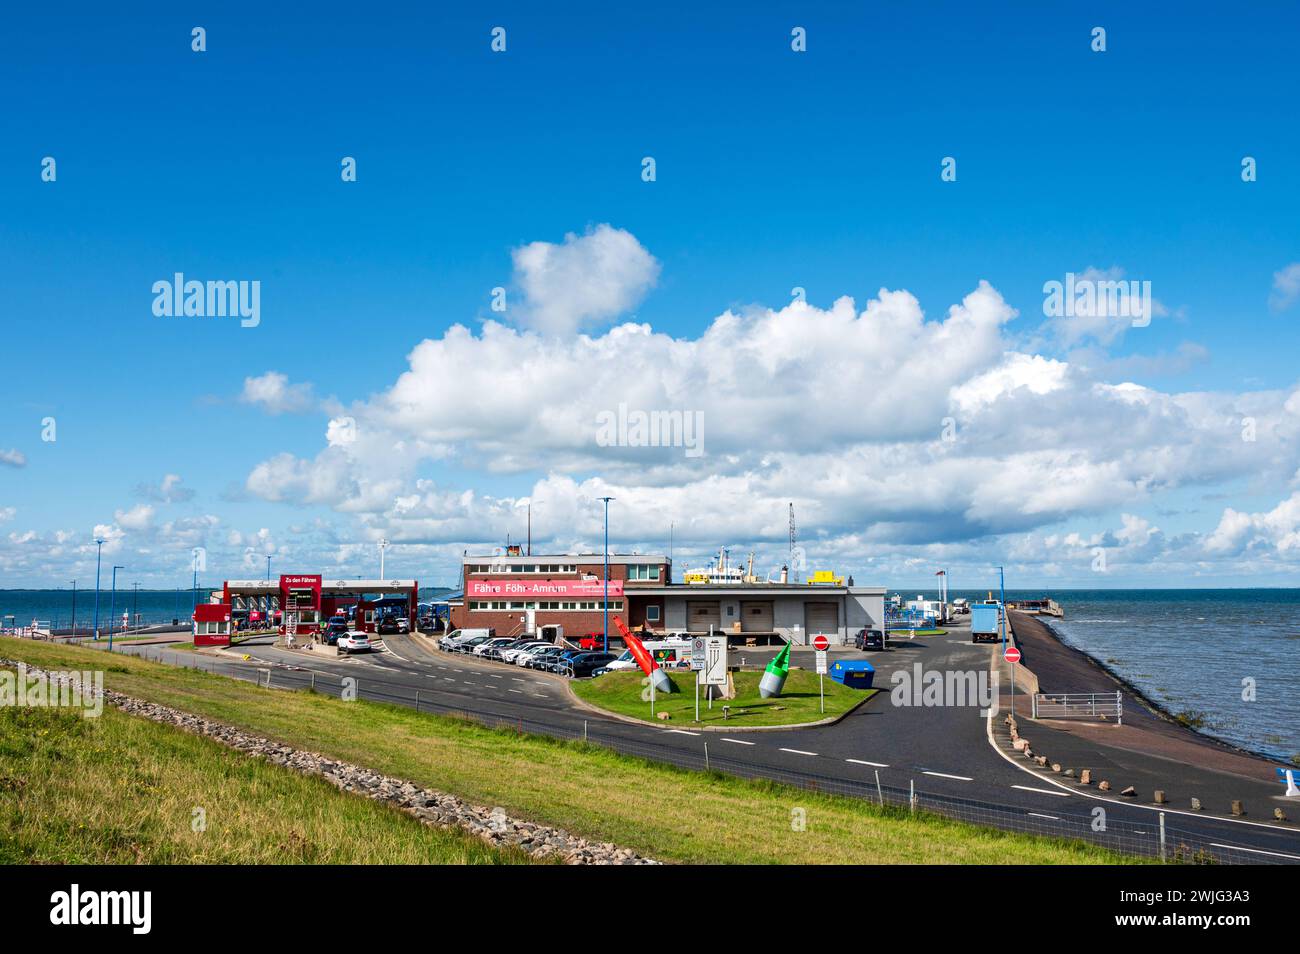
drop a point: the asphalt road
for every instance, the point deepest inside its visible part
(944, 752)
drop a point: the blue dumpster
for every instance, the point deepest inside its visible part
(854, 673)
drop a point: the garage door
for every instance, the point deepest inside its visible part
(703, 614)
(756, 617)
(822, 618)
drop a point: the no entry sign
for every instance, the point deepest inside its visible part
(821, 643)
(1012, 655)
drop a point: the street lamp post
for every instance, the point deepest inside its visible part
(606, 600)
(112, 610)
(74, 608)
(1002, 610)
(135, 604)
(266, 622)
(383, 545)
(98, 557)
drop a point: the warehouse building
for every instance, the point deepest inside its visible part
(757, 614)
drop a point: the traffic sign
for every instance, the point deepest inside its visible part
(821, 662)
(1012, 655)
(714, 671)
(821, 643)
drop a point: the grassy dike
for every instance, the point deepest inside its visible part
(663, 812)
(124, 790)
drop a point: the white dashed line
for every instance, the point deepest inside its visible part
(737, 741)
(1037, 815)
(798, 752)
(1257, 851)
(1041, 791)
(865, 762)
(493, 675)
(520, 691)
(680, 732)
(958, 778)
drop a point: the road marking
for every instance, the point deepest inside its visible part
(738, 741)
(959, 778)
(520, 691)
(798, 752)
(864, 762)
(1258, 851)
(493, 675)
(680, 732)
(465, 682)
(1041, 791)
(1037, 815)
(517, 679)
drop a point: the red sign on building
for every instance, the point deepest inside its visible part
(542, 589)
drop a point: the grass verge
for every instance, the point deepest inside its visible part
(69, 794)
(621, 692)
(663, 812)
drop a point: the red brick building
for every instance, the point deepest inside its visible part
(515, 594)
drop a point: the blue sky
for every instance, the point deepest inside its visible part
(775, 169)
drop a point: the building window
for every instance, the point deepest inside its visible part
(652, 613)
(642, 571)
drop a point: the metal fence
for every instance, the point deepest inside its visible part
(1159, 839)
(1079, 705)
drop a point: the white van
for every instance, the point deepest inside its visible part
(457, 636)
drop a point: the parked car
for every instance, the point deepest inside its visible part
(870, 639)
(354, 642)
(511, 653)
(560, 662)
(585, 664)
(469, 645)
(494, 652)
(493, 642)
(624, 662)
(458, 636)
(543, 657)
(525, 656)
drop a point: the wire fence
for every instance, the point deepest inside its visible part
(1160, 839)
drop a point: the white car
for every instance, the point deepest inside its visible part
(625, 661)
(510, 655)
(354, 642)
(492, 643)
(523, 656)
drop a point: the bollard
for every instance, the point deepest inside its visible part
(911, 794)
(706, 756)
(1103, 786)
(1279, 815)
(1237, 808)
(1196, 804)
(1160, 796)
(417, 700)
(584, 730)
(880, 795)
(1162, 836)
